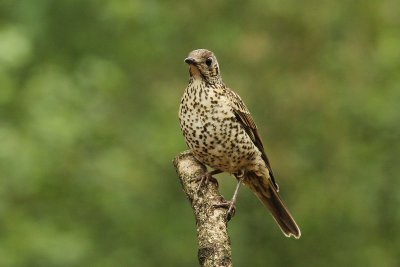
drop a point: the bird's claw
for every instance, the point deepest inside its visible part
(204, 179)
(230, 206)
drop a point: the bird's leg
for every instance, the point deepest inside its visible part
(233, 201)
(206, 177)
(231, 204)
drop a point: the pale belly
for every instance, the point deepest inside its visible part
(215, 136)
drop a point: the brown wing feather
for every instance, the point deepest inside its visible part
(246, 120)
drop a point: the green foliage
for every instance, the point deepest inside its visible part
(89, 93)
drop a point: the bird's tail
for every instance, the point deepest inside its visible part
(264, 189)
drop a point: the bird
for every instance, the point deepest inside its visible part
(221, 133)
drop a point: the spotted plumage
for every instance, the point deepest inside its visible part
(221, 133)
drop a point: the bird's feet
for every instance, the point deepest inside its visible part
(206, 178)
(230, 206)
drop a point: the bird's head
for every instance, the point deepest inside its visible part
(203, 65)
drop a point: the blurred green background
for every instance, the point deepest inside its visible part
(89, 95)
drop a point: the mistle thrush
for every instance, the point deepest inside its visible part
(221, 133)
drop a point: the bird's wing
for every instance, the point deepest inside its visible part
(243, 115)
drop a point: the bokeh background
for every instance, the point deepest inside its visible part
(89, 94)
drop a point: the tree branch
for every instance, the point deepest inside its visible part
(214, 245)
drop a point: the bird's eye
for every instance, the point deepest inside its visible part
(209, 61)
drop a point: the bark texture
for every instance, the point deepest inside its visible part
(213, 240)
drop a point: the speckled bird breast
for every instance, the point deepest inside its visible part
(212, 131)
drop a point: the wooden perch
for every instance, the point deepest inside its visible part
(214, 245)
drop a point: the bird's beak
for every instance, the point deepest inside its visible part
(190, 61)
